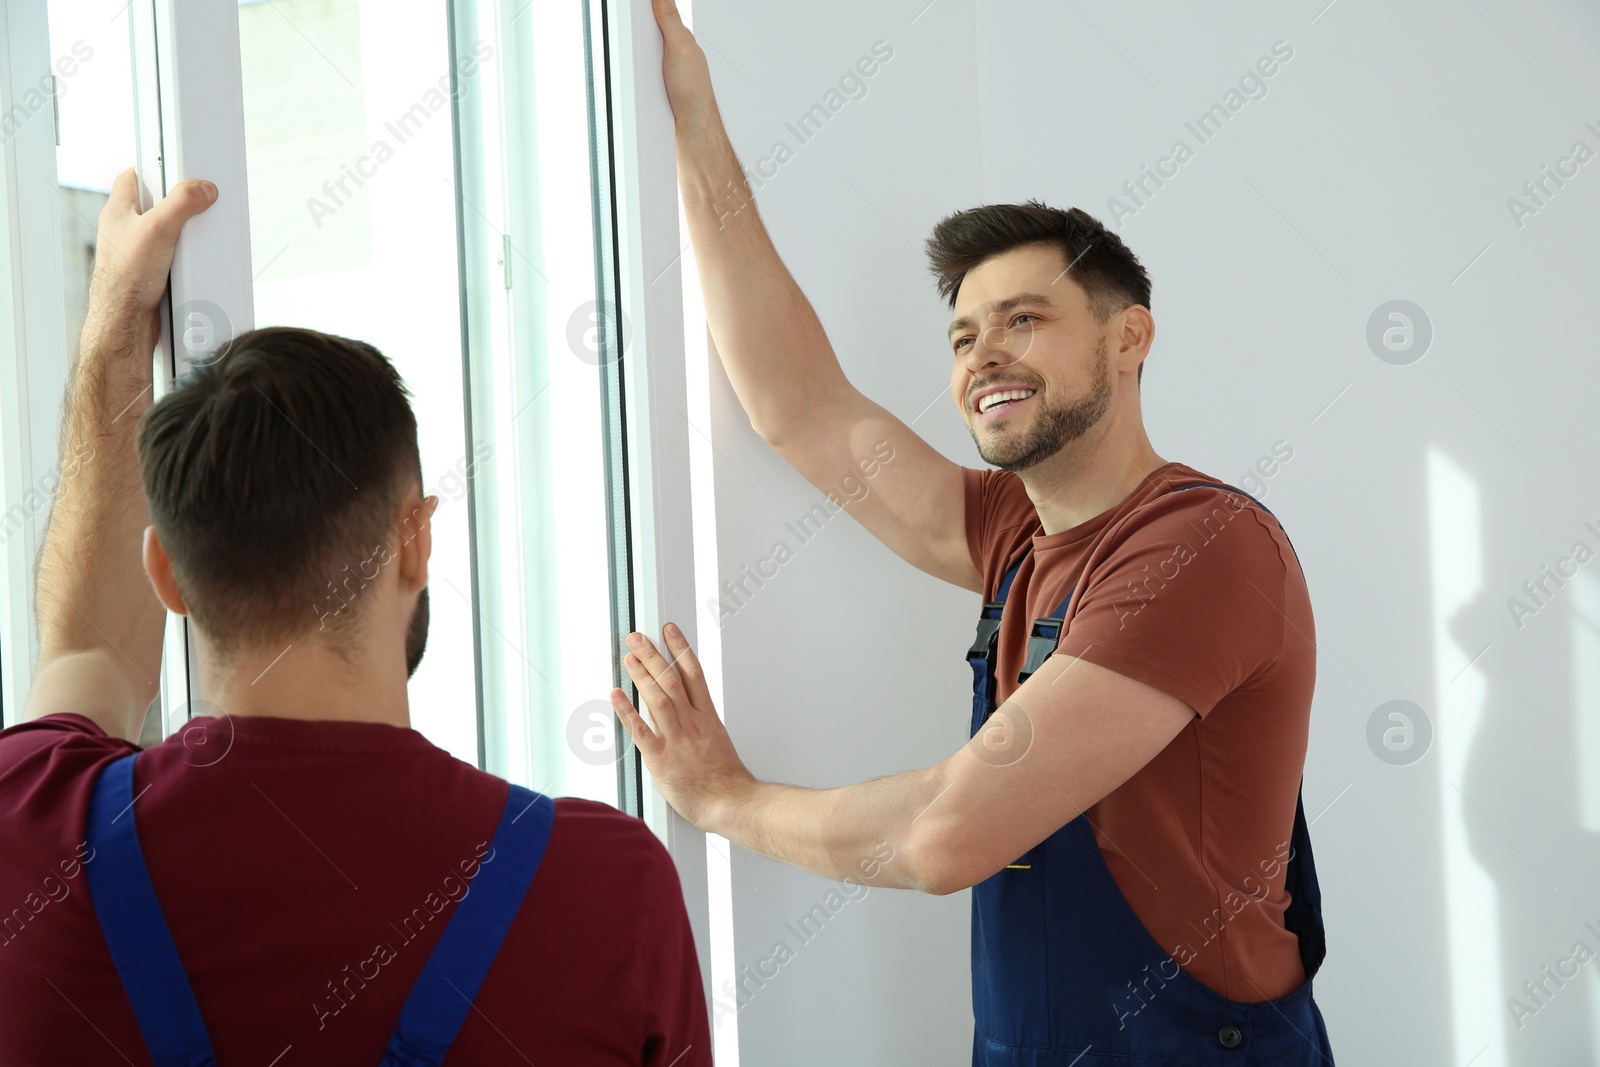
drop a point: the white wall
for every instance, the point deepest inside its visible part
(1377, 166)
(848, 664)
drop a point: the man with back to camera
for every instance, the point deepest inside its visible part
(1128, 818)
(336, 887)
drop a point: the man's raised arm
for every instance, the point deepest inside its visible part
(779, 359)
(100, 624)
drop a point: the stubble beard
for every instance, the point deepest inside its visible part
(1053, 428)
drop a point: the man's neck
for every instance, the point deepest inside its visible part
(306, 682)
(1088, 477)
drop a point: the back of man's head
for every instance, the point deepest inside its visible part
(273, 475)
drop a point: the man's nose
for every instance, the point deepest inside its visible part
(995, 346)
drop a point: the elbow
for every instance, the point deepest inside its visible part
(801, 411)
(942, 879)
(932, 863)
(766, 429)
(943, 886)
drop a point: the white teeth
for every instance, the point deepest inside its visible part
(999, 398)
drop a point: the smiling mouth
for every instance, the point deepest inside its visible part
(997, 405)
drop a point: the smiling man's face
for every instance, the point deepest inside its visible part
(1030, 369)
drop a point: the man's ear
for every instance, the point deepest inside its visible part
(1137, 335)
(416, 541)
(159, 568)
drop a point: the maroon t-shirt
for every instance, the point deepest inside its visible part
(306, 870)
(1197, 593)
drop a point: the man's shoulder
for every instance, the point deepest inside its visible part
(1184, 515)
(48, 729)
(613, 836)
(1182, 496)
(994, 486)
(598, 816)
(593, 844)
(54, 746)
(1000, 518)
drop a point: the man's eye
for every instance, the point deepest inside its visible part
(1024, 315)
(959, 341)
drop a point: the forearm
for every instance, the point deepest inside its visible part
(866, 833)
(92, 591)
(771, 342)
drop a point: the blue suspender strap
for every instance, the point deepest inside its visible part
(982, 656)
(450, 980)
(1043, 638)
(136, 930)
(1304, 914)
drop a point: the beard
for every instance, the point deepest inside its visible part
(417, 633)
(1054, 428)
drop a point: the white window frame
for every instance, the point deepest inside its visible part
(32, 319)
(651, 292)
(187, 124)
(190, 124)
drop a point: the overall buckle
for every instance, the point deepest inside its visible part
(1041, 645)
(988, 629)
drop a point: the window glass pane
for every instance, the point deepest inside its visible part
(352, 217)
(353, 186)
(547, 646)
(92, 66)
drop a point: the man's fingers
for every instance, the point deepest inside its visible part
(185, 201)
(667, 13)
(660, 670)
(632, 721)
(688, 664)
(124, 196)
(663, 709)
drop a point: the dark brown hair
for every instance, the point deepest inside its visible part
(269, 470)
(1099, 262)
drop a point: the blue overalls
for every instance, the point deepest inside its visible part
(163, 1002)
(1063, 971)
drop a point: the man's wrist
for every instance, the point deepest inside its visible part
(708, 165)
(120, 336)
(701, 130)
(732, 814)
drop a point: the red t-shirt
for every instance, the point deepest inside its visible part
(306, 870)
(1196, 593)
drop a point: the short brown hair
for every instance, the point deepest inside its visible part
(271, 468)
(1107, 269)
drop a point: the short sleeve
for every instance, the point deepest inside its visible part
(1000, 516)
(45, 761)
(678, 1032)
(1185, 595)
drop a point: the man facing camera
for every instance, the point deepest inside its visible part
(1127, 812)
